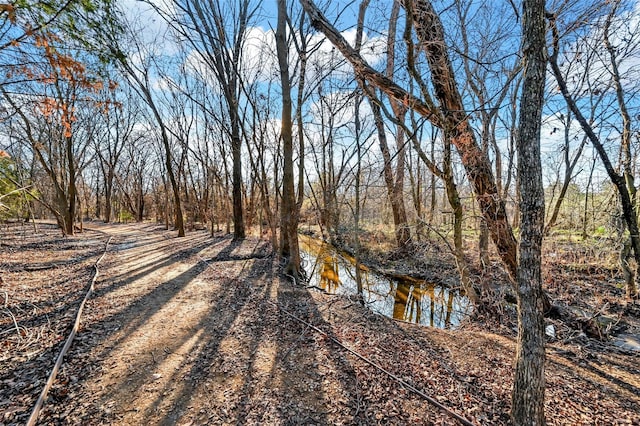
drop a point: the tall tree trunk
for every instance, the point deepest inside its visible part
(395, 181)
(98, 203)
(108, 192)
(140, 199)
(625, 148)
(394, 192)
(483, 244)
(302, 80)
(236, 184)
(179, 225)
(72, 194)
(527, 407)
(454, 201)
(166, 203)
(483, 239)
(288, 216)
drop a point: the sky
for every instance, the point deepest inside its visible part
(261, 40)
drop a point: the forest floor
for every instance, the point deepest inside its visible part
(205, 330)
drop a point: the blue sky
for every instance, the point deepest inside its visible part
(261, 39)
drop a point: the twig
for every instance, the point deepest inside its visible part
(442, 237)
(8, 330)
(15, 323)
(295, 282)
(315, 287)
(294, 344)
(357, 396)
(52, 376)
(599, 312)
(412, 388)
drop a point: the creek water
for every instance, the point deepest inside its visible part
(406, 298)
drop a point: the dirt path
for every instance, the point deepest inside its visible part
(186, 331)
(198, 330)
(175, 310)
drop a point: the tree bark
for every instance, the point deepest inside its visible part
(72, 192)
(108, 192)
(236, 181)
(527, 404)
(288, 214)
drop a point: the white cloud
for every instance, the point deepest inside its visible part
(260, 63)
(586, 56)
(149, 25)
(259, 54)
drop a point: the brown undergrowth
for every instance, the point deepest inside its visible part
(199, 330)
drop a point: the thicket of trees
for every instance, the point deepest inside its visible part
(424, 120)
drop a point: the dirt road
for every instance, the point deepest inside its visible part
(187, 334)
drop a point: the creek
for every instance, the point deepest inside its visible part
(403, 298)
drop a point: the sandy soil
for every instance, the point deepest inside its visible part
(204, 330)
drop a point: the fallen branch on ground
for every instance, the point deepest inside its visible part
(54, 372)
(412, 388)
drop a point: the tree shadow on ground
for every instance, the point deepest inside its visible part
(138, 313)
(238, 351)
(201, 340)
(622, 390)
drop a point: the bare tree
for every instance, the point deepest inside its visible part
(527, 406)
(217, 32)
(623, 182)
(139, 76)
(491, 73)
(394, 179)
(289, 213)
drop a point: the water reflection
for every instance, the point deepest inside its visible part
(329, 279)
(406, 299)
